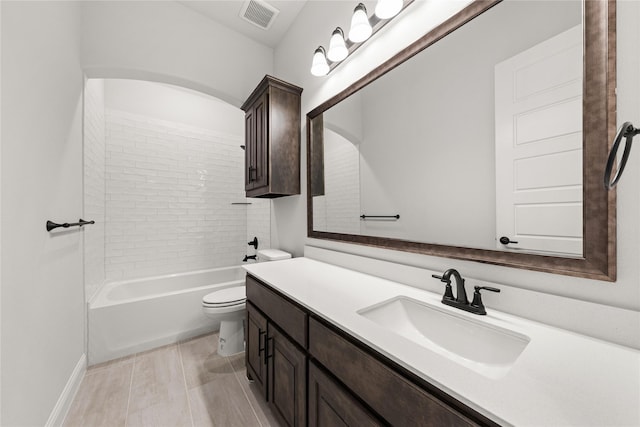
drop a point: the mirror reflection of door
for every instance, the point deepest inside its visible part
(538, 96)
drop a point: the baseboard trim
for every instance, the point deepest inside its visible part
(59, 412)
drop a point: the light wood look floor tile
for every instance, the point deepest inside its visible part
(201, 361)
(110, 364)
(254, 395)
(157, 378)
(102, 398)
(222, 403)
(170, 412)
(186, 384)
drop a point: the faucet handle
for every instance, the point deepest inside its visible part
(486, 288)
(448, 292)
(477, 298)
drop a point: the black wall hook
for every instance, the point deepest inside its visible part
(627, 131)
(52, 225)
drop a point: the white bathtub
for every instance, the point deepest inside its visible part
(135, 315)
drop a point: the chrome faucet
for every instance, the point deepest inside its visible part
(460, 301)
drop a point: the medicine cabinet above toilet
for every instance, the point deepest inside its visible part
(272, 139)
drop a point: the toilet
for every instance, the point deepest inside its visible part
(228, 307)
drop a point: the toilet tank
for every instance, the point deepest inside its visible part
(272, 255)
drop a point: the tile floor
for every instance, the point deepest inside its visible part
(184, 384)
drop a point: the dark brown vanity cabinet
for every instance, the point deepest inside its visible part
(287, 367)
(318, 375)
(272, 139)
(331, 405)
(275, 352)
(255, 341)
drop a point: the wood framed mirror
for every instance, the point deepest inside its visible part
(587, 243)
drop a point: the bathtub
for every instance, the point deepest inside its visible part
(130, 316)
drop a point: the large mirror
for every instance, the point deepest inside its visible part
(486, 144)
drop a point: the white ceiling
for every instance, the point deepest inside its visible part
(227, 13)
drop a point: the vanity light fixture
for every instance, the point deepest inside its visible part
(337, 46)
(362, 27)
(386, 9)
(319, 64)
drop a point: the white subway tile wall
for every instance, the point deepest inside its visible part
(170, 190)
(338, 210)
(94, 186)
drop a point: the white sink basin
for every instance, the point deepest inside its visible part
(487, 349)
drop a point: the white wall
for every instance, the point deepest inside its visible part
(174, 104)
(428, 151)
(170, 189)
(167, 42)
(43, 308)
(313, 27)
(173, 189)
(163, 166)
(293, 56)
(94, 151)
(45, 47)
(0, 212)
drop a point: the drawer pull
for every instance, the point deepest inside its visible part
(268, 356)
(261, 348)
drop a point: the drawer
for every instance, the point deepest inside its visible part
(397, 399)
(290, 318)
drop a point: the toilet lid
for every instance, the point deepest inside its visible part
(226, 297)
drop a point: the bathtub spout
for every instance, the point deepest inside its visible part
(248, 257)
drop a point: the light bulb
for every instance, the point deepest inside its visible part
(386, 9)
(360, 28)
(319, 65)
(337, 47)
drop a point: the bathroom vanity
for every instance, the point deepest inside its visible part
(283, 337)
(328, 346)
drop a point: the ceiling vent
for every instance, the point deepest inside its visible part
(259, 13)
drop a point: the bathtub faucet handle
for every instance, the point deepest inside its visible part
(248, 257)
(254, 243)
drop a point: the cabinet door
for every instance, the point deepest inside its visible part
(261, 118)
(249, 149)
(287, 379)
(256, 341)
(332, 405)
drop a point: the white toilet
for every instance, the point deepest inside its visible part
(228, 307)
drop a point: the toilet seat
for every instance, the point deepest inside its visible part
(225, 298)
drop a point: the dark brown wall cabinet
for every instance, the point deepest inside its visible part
(315, 374)
(272, 139)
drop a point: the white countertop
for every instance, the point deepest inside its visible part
(561, 378)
